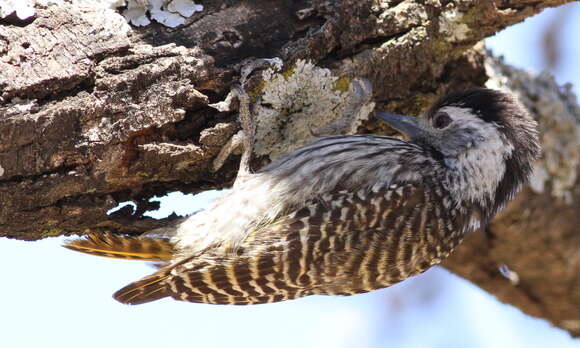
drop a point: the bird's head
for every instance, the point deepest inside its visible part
(485, 138)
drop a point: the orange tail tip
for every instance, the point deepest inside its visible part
(123, 247)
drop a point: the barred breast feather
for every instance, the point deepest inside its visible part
(341, 244)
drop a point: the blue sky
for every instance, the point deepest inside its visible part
(521, 44)
(52, 297)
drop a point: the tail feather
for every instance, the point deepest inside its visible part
(148, 289)
(123, 247)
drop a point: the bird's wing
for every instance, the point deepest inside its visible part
(344, 243)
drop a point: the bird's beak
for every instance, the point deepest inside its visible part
(404, 124)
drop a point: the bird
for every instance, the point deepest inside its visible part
(345, 214)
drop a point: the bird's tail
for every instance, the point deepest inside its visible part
(150, 288)
(124, 247)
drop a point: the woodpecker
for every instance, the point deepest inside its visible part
(345, 214)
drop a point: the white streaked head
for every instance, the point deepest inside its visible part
(486, 140)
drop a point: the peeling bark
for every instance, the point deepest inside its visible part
(94, 112)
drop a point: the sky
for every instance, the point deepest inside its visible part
(521, 44)
(52, 297)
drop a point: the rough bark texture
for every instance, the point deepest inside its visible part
(93, 112)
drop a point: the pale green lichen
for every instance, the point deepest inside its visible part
(303, 101)
(342, 84)
(289, 72)
(558, 114)
(51, 232)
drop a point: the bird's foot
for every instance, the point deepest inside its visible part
(245, 137)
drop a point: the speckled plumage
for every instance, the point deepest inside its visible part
(350, 214)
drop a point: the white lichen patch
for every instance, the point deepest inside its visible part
(558, 114)
(170, 13)
(297, 105)
(24, 8)
(100, 133)
(403, 16)
(136, 13)
(186, 8)
(18, 106)
(451, 25)
(1, 171)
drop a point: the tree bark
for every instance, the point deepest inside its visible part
(94, 112)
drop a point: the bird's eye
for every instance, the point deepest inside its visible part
(441, 120)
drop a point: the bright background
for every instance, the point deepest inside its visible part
(51, 297)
